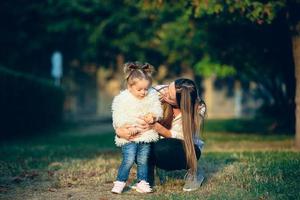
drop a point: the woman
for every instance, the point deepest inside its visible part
(180, 147)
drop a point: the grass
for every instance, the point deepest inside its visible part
(249, 125)
(75, 165)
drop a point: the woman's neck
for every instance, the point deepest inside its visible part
(176, 111)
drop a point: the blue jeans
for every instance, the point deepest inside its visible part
(132, 152)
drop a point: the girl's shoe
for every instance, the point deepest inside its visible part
(118, 187)
(143, 187)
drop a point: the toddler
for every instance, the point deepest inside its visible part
(137, 101)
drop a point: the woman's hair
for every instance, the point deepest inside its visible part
(137, 70)
(168, 113)
(189, 103)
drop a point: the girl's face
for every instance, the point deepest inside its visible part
(140, 88)
(169, 94)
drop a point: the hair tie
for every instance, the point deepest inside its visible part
(189, 88)
(201, 107)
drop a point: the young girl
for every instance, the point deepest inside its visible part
(137, 101)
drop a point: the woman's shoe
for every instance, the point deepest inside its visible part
(143, 187)
(192, 181)
(118, 187)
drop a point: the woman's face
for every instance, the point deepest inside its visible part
(169, 94)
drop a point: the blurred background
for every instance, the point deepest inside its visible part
(61, 60)
(61, 65)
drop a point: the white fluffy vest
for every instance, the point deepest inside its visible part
(126, 109)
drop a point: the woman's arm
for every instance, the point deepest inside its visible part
(124, 132)
(162, 130)
(143, 126)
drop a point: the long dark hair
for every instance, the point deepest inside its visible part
(189, 103)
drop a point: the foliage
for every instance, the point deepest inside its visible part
(255, 11)
(206, 68)
(89, 32)
(27, 104)
(253, 37)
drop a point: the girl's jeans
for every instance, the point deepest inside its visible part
(132, 152)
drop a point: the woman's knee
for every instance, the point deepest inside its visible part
(165, 146)
(169, 154)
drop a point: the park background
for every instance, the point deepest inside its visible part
(56, 133)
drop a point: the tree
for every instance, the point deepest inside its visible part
(94, 32)
(87, 31)
(251, 50)
(262, 12)
(177, 34)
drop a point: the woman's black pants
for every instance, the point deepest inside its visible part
(168, 154)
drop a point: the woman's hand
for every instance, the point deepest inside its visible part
(143, 125)
(155, 126)
(123, 132)
(162, 95)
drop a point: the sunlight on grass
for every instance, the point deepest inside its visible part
(236, 166)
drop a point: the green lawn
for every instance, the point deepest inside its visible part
(75, 165)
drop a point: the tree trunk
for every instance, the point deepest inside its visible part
(296, 53)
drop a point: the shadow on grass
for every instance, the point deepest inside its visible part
(65, 157)
(64, 161)
(39, 152)
(210, 164)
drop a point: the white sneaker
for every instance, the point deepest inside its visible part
(143, 187)
(118, 187)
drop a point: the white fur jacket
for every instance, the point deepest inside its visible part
(126, 109)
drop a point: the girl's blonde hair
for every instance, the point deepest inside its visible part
(137, 70)
(189, 103)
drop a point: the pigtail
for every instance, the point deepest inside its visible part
(148, 69)
(129, 67)
(138, 70)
